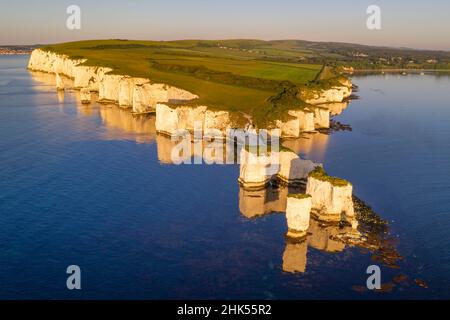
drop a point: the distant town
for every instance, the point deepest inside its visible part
(16, 50)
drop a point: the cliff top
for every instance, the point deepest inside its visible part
(320, 174)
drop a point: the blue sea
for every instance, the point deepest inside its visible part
(90, 185)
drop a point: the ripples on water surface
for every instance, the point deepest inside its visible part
(91, 185)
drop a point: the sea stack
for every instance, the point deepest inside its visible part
(298, 210)
(59, 82)
(85, 95)
(256, 169)
(331, 196)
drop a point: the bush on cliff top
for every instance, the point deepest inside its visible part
(320, 174)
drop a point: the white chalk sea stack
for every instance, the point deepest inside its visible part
(298, 213)
(331, 197)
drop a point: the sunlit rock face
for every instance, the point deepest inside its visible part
(85, 95)
(126, 90)
(337, 93)
(305, 119)
(171, 121)
(89, 77)
(256, 170)
(289, 128)
(147, 95)
(41, 60)
(293, 169)
(321, 118)
(299, 121)
(331, 202)
(59, 82)
(217, 120)
(285, 166)
(295, 257)
(109, 88)
(298, 212)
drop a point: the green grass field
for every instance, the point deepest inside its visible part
(243, 76)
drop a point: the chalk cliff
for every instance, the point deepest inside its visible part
(112, 88)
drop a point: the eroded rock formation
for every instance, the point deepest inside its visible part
(298, 211)
(331, 197)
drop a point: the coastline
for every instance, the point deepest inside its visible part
(176, 108)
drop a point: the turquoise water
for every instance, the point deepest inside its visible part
(91, 186)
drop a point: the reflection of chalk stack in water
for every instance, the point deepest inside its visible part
(85, 95)
(59, 83)
(314, 216)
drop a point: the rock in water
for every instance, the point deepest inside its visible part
(85, 94)
(298, 212)
(59, 82)
(331, 196)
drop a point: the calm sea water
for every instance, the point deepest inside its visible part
(91, 186)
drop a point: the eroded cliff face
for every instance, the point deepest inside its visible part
(340, 90)
(53, 63)
(331, 202)
(286, 166)
(298, 213)
(138, 93)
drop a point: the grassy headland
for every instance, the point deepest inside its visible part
(233, 75)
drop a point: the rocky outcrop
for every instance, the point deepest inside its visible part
(331, 197)
(46, 61)
(127, 86)
(59, 82)
(109, 88)
(170, 121)
(217, 120)
(299, 121)
(294, 170)
(85, 95)
(298, 212)
(321, 118)
(256, 170)
(335, 94)
(147, 95)
(338, 90)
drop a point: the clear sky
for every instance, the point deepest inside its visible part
(413, 23)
